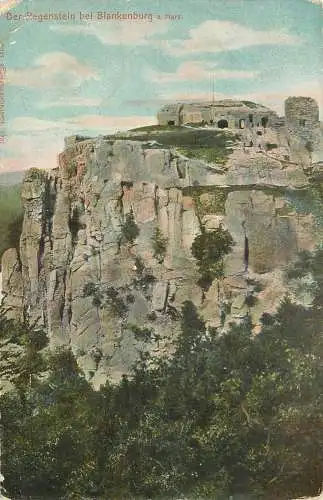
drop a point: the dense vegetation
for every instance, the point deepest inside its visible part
(209, 248)
(10, 217)
(228, 413)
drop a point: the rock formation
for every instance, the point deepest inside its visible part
(88, 269)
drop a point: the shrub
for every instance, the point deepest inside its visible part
(92, 290)
(209, 248)
(115, 301)
(309, 146)
(130, 230)
(141, 334)
(74, 223)
(270, 146)
(89, 289)
(250, 300)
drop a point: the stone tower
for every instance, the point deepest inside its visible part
(302, 120)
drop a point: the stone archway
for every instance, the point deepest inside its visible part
(223, 124)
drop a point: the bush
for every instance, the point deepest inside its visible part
(226, 415)
(209, 248)
(141, 334)
(114, 300)
(89, 289)
(159, 243)
(270, 146)
(129, 230)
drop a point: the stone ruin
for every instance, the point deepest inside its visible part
(301, 116)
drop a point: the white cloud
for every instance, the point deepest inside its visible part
(26, 151)
(72, 102)
(196, 71)
(36, 143)
(131, 33)
(192, 96)
(95, 123)
(54, 69)
(108, 123)
(218, 36)
(31, 124)
(273, 99)
(318, 2)
(6, 5)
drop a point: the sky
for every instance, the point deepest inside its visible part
(90, 74)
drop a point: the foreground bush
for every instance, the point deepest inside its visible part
(227, 414)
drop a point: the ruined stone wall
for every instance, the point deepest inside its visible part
(302, 119)
(211, 113)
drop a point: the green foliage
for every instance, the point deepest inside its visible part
(159, 243)
(92, 290)
(129, 230)
(209, 248)
(115, 301)
(154, 128)
(36, 174)
(301, 267)
(250, 104)
(105, 296)
(11, 217)
(142, 334)
(24, 369)
(208, 199)
(309, 146)
(74, 223)
(270, 146)
(209, 155)
(250, 300)
(144, 278)
(224, 415)
(205, 144)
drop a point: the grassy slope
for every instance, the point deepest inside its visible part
(10, 216)
(206, 144)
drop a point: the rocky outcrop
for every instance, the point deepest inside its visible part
(88, 270)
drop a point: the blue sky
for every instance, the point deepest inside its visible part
(94, 76)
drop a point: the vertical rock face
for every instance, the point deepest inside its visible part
(89, 269)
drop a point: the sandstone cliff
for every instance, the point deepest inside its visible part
(95, 285)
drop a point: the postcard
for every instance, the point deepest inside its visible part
(161, 248)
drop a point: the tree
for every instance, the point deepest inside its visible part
(209, 249)
(129, 230)
(159, 243)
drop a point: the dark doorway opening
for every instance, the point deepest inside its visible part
(246, 253)
(251, 118)
(171, 122)
(264, 121)
(223, 124)
(259, 132)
